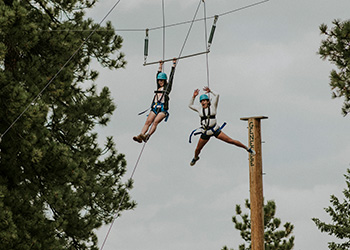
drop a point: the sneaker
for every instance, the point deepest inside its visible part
(194, 160)
(251, 151)
(137, 138)
(145, 137)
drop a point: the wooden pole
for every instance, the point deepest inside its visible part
(256, 183)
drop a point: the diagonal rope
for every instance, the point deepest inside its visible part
(121, 201)
(189, 30)
(60, 70)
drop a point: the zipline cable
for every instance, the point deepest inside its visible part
(211, 17)
(60, 70)
(175, 24)
(121, 201)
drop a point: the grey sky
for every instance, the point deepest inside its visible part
(263, 61)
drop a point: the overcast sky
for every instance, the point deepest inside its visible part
(263, 61)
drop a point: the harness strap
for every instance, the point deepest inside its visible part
(223, 125)
(193, 133)
(159, 91)
(158, 107)
(204, 117)
(167, 116)
(208, 117)
(197, 133)
(153, 101)
(143, 111)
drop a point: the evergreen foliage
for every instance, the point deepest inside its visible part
(274, 238)
(56, 184)
(336, 48)
(340, 216)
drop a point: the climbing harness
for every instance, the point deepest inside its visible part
(204, 131)
(157, 105)
(207, 118)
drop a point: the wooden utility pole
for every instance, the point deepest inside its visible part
(256, 183)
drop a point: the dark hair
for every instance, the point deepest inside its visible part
(209, 103)
(165, 83)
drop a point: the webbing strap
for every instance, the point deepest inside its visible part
(197, 133)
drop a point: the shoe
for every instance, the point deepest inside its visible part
(137, 138)
(145, 137)
(194, 160)
(251, 151)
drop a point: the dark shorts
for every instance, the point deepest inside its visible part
(207, 137)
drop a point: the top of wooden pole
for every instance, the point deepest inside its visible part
(254, 117)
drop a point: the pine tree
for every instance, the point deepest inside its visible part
(336, 49)
(274, 238)
(340, 216)
(57, 185)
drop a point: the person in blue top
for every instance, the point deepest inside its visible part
(209, 126)
(160, 103)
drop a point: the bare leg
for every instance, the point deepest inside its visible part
(200, 145)
(222, 136)
(156, 121)
(149, 120)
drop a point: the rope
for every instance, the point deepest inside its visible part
(118, 210)
(163, 11)
(60, 70)
(206, 41)
(189, 30)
